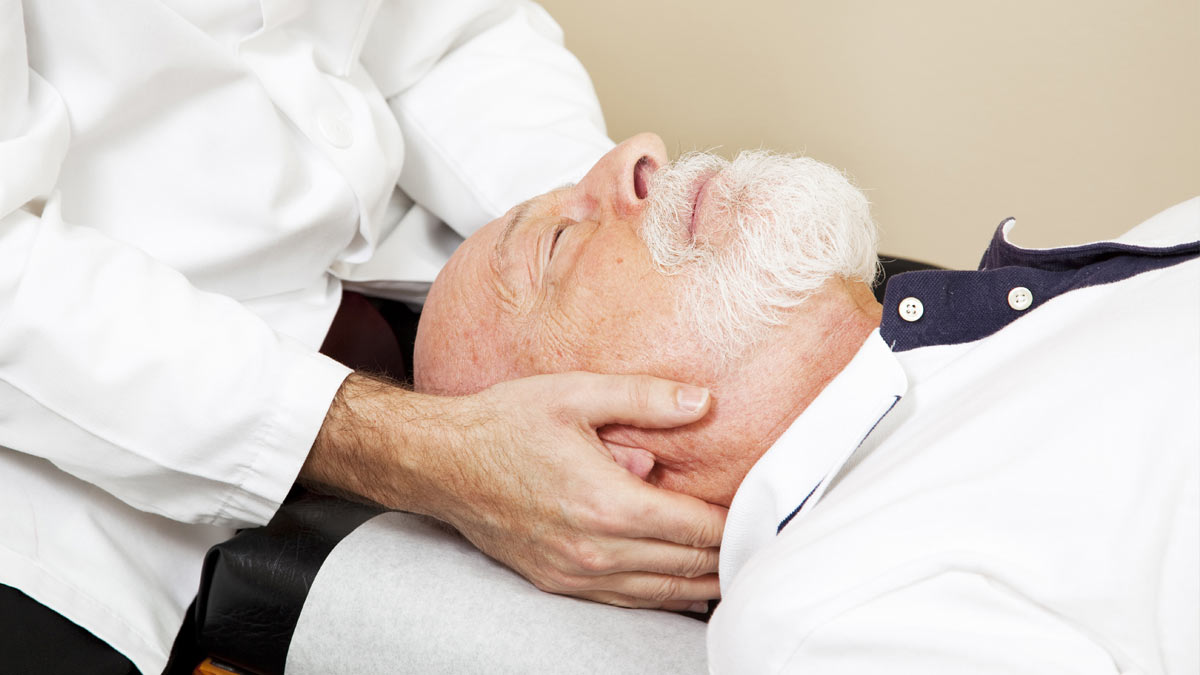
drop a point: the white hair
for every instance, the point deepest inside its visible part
(775, 228)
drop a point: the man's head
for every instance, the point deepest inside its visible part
(736, 276)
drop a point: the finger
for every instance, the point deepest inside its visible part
(655, 590)
(637, 400)
(661, 557)
(670, 516)
(619, 600)
(636, 461)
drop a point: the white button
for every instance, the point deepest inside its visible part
(334, 128)
(1020, 298)
(911, 309)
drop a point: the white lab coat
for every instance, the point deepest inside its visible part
(184, 187)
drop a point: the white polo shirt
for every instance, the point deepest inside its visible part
(1003, 479)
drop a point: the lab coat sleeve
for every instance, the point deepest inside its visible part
(493, 109)
(117, 370)
(953, 622)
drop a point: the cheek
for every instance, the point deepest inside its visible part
(615, 313)
(640, 342)
(614, 331)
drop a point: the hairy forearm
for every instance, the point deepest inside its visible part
(434, 455)
(377, 443)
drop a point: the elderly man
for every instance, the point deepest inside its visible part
(995, 471)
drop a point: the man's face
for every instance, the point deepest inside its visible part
(673, 270)
(561, 282)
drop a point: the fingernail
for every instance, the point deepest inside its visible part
(698, 607)
(690, 399)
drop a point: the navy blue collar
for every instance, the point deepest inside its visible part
(963, 306)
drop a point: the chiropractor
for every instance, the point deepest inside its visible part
(186, 188)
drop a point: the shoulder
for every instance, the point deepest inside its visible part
(1179, 224)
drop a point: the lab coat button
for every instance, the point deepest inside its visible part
(334, 129)
(911, 309)
(1020, 298)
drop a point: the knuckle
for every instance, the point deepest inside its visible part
(586, 556)
(697, 564)
(569, 583)
(596, 515)
(701, 532)
(575, 585)
(594, 561)
(694, 536)
(666, 588)
(641, 390)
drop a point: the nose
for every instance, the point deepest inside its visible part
(620, 181)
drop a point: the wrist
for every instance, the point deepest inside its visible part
(377, 441)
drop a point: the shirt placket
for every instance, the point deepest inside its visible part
(306, 57)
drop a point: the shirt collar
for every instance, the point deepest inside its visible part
(790, 478)
(948, 307)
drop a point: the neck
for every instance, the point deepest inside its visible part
(757, 398)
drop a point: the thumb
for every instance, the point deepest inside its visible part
(636, 400)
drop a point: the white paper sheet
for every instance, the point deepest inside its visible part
(404, 594)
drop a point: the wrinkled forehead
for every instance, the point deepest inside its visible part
(465, 328)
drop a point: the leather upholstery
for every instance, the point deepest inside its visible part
(254, 585)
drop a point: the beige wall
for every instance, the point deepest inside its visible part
(1078, 117)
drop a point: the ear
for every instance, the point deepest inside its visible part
(637, 461)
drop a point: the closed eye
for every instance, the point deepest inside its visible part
(557, 235)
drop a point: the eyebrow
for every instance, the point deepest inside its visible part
(505, 241)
